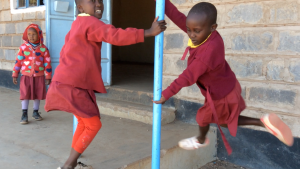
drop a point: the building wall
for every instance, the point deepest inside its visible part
(262, 43)
(12, 27)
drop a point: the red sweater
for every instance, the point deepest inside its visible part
(33, 63)
(80, 57)
(207, 66)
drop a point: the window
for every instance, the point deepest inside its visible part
(26, 6)
(29, 3)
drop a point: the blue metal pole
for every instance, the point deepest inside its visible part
(158, 67)
(75, 121)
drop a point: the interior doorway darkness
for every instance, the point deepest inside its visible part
(134, 61)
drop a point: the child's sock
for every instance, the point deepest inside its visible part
(36, 104)
(25, 104)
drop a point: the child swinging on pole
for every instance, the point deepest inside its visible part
(78, 75)
(208, 68)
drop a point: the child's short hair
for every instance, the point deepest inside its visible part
(205, 8)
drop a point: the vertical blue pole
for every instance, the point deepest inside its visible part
(158, 66)
(75, 121)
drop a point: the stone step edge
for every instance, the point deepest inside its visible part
(133, 111)
(177, 158)
(133, 96)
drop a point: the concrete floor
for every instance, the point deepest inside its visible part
(46, 144)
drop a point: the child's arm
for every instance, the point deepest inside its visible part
(122, 37)
(18, 65)
(48, 67)
(189, 77)
(177, 17)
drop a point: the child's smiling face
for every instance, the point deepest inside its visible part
(32, 35)
(199, 28)
(92, 7)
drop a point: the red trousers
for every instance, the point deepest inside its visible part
(86, 131)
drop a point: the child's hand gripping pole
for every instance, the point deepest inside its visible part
(156, 28)
(161, 101)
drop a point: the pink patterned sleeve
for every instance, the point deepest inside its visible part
(18, 65)
(47, 64)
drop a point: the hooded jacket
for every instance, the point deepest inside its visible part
(33, 62)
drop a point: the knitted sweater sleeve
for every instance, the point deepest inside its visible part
(47, 64)
(189, 77)
(100, 31)
(177, 17)
(18, 65)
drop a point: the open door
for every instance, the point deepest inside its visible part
(58, 23)
(106, 58)
(59, 17)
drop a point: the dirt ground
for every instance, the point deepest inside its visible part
(221, 165)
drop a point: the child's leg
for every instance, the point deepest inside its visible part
(25, 104)
(243, 120)
(92, 126)
(85, 132)
(273, 124)
(79, 130)
(203, 132)
(74, 155)
(36, 104)
(24, 118)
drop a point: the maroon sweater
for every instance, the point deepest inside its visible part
(207, 66)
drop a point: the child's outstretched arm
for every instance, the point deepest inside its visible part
(177, 17)
(122, 37)
(188, 77)
(18, 65)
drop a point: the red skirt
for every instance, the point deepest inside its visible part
(63, 97)
(32, 88)
(228, 110)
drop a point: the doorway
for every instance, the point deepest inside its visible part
(132, 66)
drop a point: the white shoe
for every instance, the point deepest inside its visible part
(192, 143)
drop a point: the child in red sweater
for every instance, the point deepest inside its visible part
(208, 68)
(78, 75)
(34, 62)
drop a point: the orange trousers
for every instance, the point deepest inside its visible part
(86, 131)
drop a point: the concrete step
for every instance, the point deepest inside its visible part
(121, 94)
(133, 111)
(185, 110)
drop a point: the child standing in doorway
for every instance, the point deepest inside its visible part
(208, 68)
(78, 76)
(34, 62)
